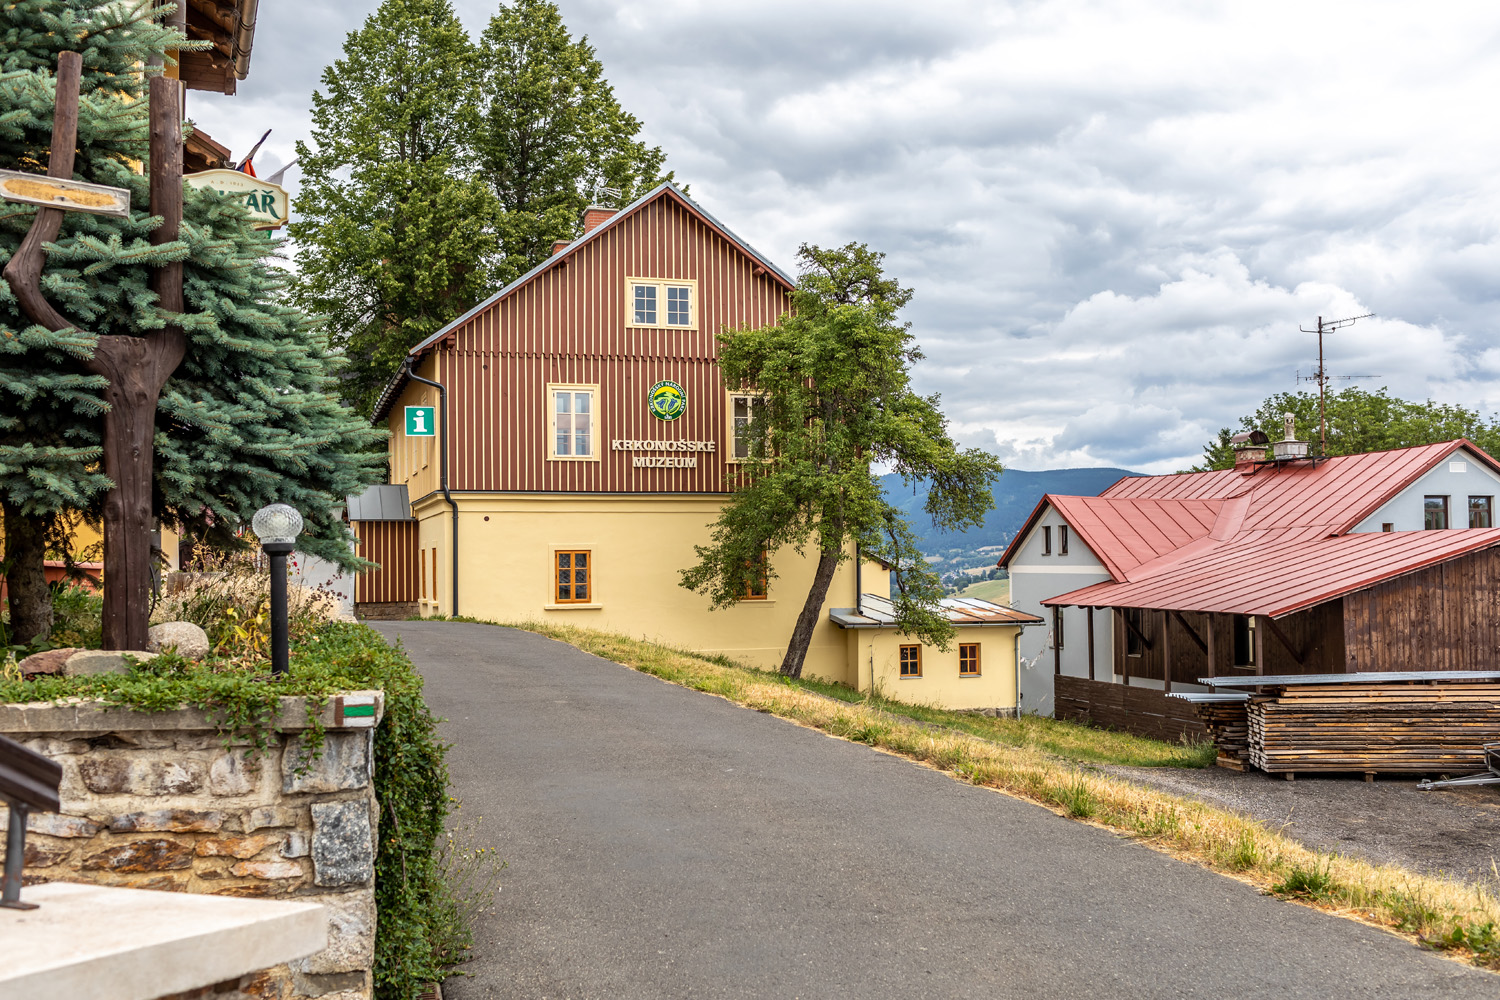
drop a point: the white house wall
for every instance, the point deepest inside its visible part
(1034, 577)
(1458, 478)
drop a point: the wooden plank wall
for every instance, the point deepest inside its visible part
(1143, 711)
(567, 325)
(1317, 634)
(1444, 617)
(392, 544)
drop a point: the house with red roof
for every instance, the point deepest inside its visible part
(1284, 564)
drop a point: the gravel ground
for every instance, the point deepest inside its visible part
(1454, 832)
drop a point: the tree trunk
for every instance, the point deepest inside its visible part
(812, 611)
(27, 593)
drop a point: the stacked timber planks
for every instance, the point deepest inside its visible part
(1228, 725)
(1374, 727)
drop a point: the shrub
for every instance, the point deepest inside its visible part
(231, 601)
(1314, 881)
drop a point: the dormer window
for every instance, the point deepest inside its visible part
(661, 303)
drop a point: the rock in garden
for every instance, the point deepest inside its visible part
(190, 640)
(102, 661)
(51, 661)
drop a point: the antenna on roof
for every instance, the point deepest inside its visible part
(608, 196)
(1322, 377)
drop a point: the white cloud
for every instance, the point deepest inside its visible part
(1115, 215)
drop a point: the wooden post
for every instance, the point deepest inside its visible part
(1056, 644)
(137, 368)
(1260, 648)
(1124, 646)
(1166, 652)
(1089, 624)
(1208, 642)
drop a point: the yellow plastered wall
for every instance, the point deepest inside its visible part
(876, 653)
(638, 547)
(414, 460)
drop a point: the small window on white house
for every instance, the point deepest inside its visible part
(662, 303)
(1046, 539)
(572, 425)
(1062, 539)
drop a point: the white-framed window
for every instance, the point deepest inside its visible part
(744, 407)
(573, 422)
(661, 302)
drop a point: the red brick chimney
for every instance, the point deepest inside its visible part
(1249, 447)
(595, 216)
(560, 246)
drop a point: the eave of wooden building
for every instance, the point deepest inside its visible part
(229, 25)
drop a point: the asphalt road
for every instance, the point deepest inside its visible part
(665, 843)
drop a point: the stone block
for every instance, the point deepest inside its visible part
(331, 985)
(116, 775)
(343, 764)
(234, 773)
(342, 851)
(233, 847)
(41, 856)
(169, 821)
(51, 661)
(190, 641)
(351, 934)
(58, 825)
(103, 661)
(264, 816)
(256, 890)
(296, 846)
(152, 855)
(266, 869)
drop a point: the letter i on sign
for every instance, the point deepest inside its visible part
(419, 422)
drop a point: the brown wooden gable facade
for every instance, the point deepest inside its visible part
(568, 324)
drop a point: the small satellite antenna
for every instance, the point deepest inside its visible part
(1321, 376)
(608, 197)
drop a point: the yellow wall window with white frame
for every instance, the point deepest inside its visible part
(572, 424)
(661, 302)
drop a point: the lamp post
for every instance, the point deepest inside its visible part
(277, 526)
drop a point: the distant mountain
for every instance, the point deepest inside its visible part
(1016, 494)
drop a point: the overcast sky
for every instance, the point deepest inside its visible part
(1114, 215)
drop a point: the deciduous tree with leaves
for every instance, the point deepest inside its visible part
(836, 379)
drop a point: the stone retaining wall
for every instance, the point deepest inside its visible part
(163, 801)
(390, 611)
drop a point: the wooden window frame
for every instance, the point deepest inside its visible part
(1489, 510)
(662, 284)
(968, 654)
(1426, 512)
(763, 579)
(1046, 539)
(588, 582)
(730, 453)
(596, 435)
(902, 660)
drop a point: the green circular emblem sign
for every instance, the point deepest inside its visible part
(667, 400)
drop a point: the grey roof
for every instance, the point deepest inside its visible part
(381, 503)
(393, 388)
(1371, 677)
(880, 612)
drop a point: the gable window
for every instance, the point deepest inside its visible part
(1481, 512)
(1434, 513)
(968, 659)
(744, 409)
(1046, 539)
(1135, 627)
(1057, 627)
(661, 303)
(1244, 640)
(1062, 539)
(571, 423)
(911, 661)
(574, 577)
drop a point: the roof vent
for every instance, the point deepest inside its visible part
(1289, 448)
(1249, 447)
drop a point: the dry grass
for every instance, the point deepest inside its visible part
(231, 601)
(1454, 917)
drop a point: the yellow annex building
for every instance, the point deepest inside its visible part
(558, 451)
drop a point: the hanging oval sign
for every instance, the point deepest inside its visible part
(667, 401)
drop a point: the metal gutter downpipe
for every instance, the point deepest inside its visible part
(442, 468)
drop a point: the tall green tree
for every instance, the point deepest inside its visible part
(247, 418)
(836, 379)
(1358, 421)
(395, 232)
(552, 132)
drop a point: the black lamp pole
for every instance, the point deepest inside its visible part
(278, 551)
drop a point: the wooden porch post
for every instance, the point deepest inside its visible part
(1166, 651)
(1125, 657)
(1089, 623)
(1260, 644)
(1209, 642)
(1056, 644)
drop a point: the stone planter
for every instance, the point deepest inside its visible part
(160, 800)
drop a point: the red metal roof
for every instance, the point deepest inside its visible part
(1269, 540)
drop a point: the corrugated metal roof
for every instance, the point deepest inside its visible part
(880, 612)
(393, 388)
(1125, 533)
(1280, 571)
